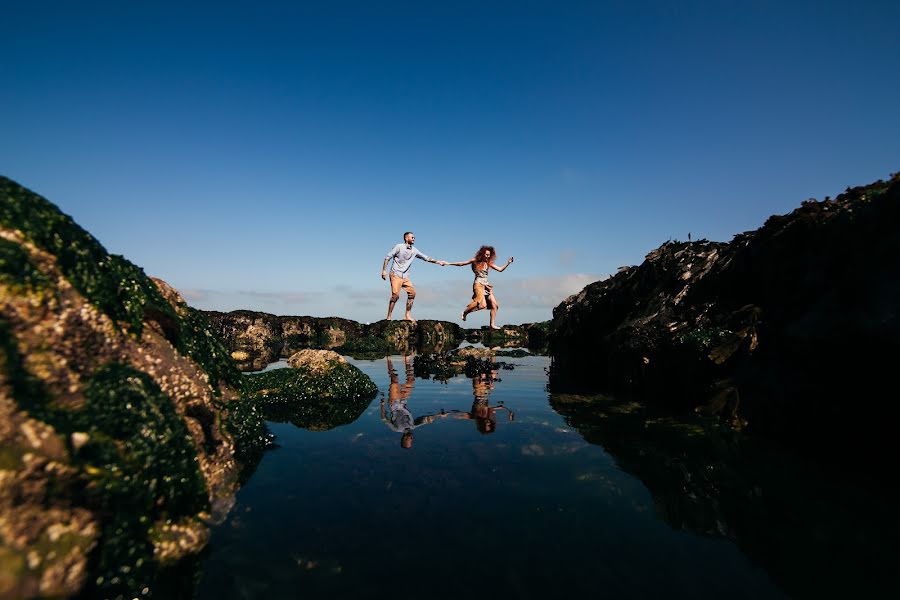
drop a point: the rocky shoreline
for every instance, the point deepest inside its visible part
(256, 339)
(126, 426)
(789, 331)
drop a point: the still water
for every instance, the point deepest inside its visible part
(496, 495)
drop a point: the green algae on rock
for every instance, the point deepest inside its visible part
(120, 424)
(312, 395)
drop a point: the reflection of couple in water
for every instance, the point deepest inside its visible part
(402, 256)
(399, 419)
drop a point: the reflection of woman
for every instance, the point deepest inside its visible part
(401, 420)
(482, 291)
(484, 415)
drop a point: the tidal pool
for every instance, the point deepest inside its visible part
(497, 495)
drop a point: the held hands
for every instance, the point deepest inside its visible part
(443, 263)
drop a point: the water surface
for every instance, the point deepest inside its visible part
(487, 501)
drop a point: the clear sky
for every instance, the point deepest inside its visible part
(266, 155)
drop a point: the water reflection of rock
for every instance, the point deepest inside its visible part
(817, 535)
(320, 391)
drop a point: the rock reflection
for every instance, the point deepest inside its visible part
(782, 511)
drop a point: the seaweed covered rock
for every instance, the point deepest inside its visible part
(321, 391)
(115, 414)
(257, 339)
(368, 347)
(776, 329)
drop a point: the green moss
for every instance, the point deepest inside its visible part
(143, 467)
(16, 269)
(112, 284)
(312, 400)
(703, 338)
(116, 287)
(206, 349)
(367, 347)
(245, 422)
(138, 467)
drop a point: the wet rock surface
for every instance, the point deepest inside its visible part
(256, 339)
(788, 330)
(319, 391)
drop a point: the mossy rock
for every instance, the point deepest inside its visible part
(136, 458)
(311, 399)
(368, 347)
(115, 286)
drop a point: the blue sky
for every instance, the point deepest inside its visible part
(266, 155)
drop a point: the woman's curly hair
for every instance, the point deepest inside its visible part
(480, 255)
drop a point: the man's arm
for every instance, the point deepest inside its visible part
(443, 263)
(387, 259)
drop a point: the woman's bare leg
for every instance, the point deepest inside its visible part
(492, 302)
(472, 307)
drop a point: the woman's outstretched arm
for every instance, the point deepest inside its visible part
(503, 268)
(461, 264)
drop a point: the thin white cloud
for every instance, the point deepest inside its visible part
(282, 297)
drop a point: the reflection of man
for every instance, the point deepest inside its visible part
(400, 419)
(402, 256)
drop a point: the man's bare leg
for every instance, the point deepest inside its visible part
(391, 304)
(409, 303)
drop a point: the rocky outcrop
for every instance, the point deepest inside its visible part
(256, 339)
(121, 429)
(320, 391)
(789, 329)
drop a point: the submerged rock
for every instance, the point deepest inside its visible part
(779, 329)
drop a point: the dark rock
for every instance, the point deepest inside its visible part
(778, 329)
